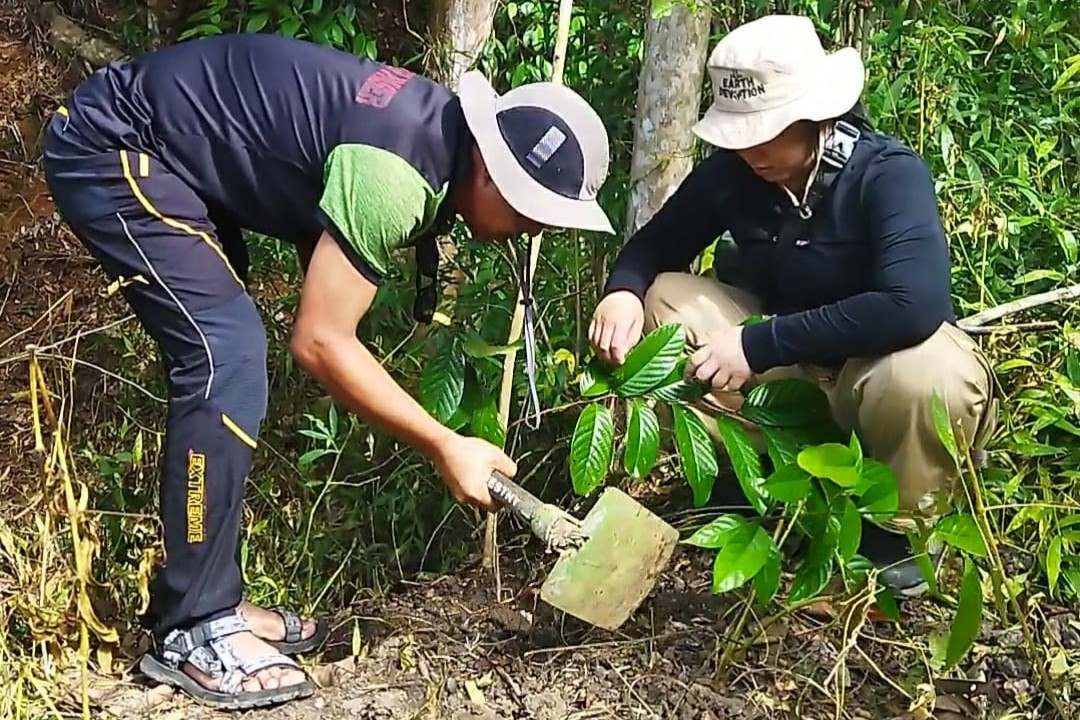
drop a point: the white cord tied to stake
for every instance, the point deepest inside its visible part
(531, 410)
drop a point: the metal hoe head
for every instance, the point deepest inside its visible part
(605, 579)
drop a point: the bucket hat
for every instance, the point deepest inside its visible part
(770, 73)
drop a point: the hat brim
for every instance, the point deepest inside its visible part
(837, 85)
(525, 195)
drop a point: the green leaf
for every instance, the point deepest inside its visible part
(1072, 365)
(1053, 562)
(309, 458)
(257, 22)
(831, 461)
(824, 544)
(591, 448)
(786, 403)
(850, 530)
(661, 8)
(961, 531)
(485, 423)
(744, 460)
(965, 627)
(887, 604)
(856, 449)
(943, 426)
(743, 555)
(715, 534)
(790, 483)
(442, 382)
(642, 440)
(809, 581)
(650, 361)
(676, 388)
(877, 491)
(595, 380)
(767, 581)
(476, 347)
(783, 446)
(696, 453)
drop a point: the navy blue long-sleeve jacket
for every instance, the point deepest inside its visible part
(870, 277)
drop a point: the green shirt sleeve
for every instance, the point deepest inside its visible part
(373, 203)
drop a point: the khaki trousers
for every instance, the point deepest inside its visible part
(887, 400)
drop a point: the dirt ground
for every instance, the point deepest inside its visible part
(473, 646)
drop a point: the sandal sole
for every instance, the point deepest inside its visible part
(154, 669)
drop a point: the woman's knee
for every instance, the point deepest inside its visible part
(698, 303)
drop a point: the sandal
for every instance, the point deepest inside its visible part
(295, 643)
(205, 647)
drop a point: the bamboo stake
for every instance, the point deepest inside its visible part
(558, 64)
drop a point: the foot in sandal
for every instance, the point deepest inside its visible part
(287, 632)
(223, 664)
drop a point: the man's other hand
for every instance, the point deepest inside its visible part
(721, 361)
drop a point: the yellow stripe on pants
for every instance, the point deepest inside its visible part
(183, 227)
(238, 431)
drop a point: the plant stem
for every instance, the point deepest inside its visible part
(997, 576)
(780, 535)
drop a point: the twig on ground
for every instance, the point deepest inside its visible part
(631, 691)
(1018, 327)
(1026, 303)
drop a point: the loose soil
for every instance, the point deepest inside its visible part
(472, 645)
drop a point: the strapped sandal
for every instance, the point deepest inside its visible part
(204, 646)
(295, 642)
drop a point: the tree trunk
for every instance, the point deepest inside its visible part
(459, 29)
(668, 103)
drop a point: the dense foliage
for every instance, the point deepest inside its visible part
(986, 91)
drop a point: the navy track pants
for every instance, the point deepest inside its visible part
(181, 273)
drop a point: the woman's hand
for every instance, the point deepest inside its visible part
(616, 326)
(721, 361)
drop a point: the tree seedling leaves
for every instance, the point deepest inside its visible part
(809, 581)
(715, 534)
(823, 545)
(1053, 562)
(943, 427)
(595, 380)
(782, 445)
(961, 531)
(741, 558)
(856, 449)
(850, 530)
(767, 581)
(442, 382)
(878, 494)
(745, 460)
(789, 483)
(642, 440)
(696, 454)
(650, 361)
(676, 388)
(786, 403)
(831, 461)
(591, 448)
(965, 627)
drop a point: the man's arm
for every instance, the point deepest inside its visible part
(335, 297)
(911, 298)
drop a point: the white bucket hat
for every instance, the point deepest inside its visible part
(545, 148)
(769, 74)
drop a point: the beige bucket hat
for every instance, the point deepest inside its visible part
(769, 74)
(545, 148)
